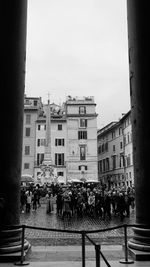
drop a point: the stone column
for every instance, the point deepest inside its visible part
(12, 79)
(139, 57)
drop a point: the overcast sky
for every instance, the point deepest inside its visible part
(79, 48)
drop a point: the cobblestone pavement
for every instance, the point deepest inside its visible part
(39, 218)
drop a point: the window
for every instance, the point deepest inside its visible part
(59, 142)
(35, 102)
(59, 127)
(59, 159)
(83, 123)
(43, 142)
(99, 149)
(106, 147)
(39, 127)
(40, 158)
(45, 127)
(82, 134)
(27, 132)
(128, 136)
(114, 162)
(28, 119)
(121, 163)
(38, 142)
(27, 102)
(82, 168)
(114, 148)
(120, 130)
(124, 140)
(107, 164)
(26, 166)
(82, 153)
(82, 110)
(100, 165)
(113, 134)
(104, 165)
(27, 150)
(121, 146)
(60, 174)
(128, 160)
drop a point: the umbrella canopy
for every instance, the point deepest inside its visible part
(60, 180)
(92, 181)
(27, 178)
(75, 181)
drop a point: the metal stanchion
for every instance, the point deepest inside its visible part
(126, 260)
(97, 251)
(22, 262)
(83, 249)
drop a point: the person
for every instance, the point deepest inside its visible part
(66, 210)
(52, 201)
(91, 204)
(48, 207)
(23, 200)
(38, 197)
(35, 200)
(107, 205)
(127, 204)
(59, 203)
(29, 201)
(114, 202)
(121, 206)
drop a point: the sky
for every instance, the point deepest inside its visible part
(79, 48)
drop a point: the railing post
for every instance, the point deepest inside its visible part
(126, 260)
(22, 262)
(97, 251)
(83, 249)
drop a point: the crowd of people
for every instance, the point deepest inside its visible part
(29, 198)
(74, 200)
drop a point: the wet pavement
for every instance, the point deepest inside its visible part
(40, 218)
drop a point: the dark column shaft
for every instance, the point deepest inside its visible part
(139, 56)
(12, 80)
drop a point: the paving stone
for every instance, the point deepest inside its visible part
(40, 218)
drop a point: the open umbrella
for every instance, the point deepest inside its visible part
(92, 181)
(60, 180)
(75, 181)
(27, 178)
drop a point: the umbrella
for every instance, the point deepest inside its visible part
(75, 181)
(61, 180)
(92, 181)
(27, 178)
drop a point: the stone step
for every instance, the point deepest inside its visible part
(72, 253)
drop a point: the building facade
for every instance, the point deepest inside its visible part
(128, 149)
(115, 163)
(32, 110)
(73, 135)
(81, 138)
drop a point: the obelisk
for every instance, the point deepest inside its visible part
(47, 166)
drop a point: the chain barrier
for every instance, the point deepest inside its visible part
(83, 234)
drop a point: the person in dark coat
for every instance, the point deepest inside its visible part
(59, 203)
(66, 210)
(121, 206)
(127, 204)
(107, 206)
